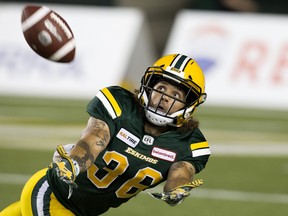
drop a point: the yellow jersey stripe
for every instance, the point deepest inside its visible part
(107, 104)
(199, 145)
(112, 101)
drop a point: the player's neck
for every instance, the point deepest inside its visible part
(155, 130)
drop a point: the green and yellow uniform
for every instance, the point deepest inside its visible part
(133, 160)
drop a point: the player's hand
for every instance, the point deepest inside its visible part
(175, 196)
(178, 194)
(66, 169)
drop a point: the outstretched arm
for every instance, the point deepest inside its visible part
(180, 173)
(94, 139)
(178, 184)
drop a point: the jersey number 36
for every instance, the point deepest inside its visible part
(132, 186)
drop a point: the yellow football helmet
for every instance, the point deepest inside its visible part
(180, 71)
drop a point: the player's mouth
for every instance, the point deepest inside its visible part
(160, 110)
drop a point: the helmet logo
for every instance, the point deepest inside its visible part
(175, 69)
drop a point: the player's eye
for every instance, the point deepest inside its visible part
(161, 88)
(176, 95)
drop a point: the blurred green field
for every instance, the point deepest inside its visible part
(235, 184)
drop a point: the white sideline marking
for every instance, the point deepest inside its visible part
(240, 196)
(13, 178)
(249, 150)
(20, 179)
(216, 194)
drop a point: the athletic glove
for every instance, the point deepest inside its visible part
(178, 194)
(66, 169)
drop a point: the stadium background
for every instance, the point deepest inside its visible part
(247, 173)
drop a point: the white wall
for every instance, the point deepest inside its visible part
(244, 56)
(107, 39)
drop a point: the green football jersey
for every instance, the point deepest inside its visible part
(133, 160)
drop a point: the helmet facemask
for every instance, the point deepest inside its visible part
(155, 115)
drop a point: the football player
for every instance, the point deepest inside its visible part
(132, 142)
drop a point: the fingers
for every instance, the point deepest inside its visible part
(178, 194)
